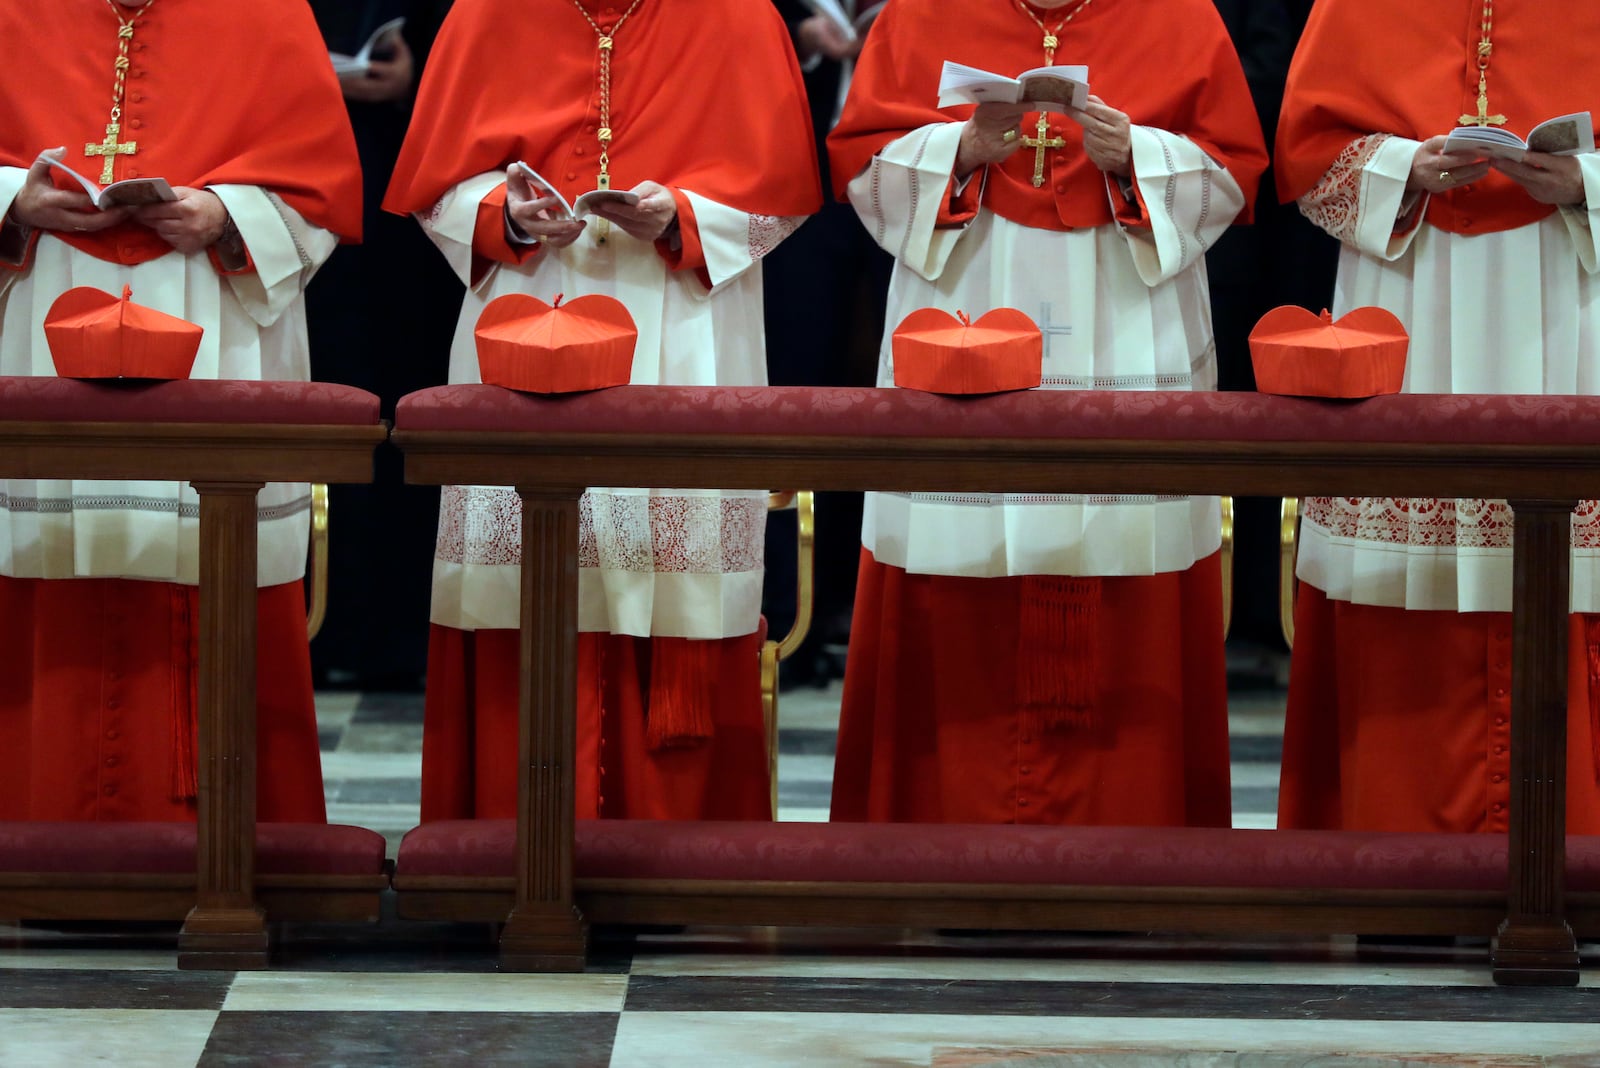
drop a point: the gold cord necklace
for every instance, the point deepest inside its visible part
(110, 148)
(1039, 142)
(604, 136)
(1485, 50)
(1051, 38)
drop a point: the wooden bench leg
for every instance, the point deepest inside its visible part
(545, 932)
(1535, 945)
(226, 929)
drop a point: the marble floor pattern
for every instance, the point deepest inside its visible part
(429, 994)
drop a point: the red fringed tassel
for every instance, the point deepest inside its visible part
(1058, 655)
(1591, 648)
(184, 680)
(682, 679)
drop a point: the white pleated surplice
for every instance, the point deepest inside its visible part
(653, 562)
(1511, 312)
(254, 330)
(1125, 310)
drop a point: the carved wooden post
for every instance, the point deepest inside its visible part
(1535, 945)
(226, 929)
(545, 932)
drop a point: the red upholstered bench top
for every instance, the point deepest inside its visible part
(1057, 414)
(169, 848)
(957, 853)
(51, 400)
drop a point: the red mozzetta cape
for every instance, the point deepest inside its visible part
(217, 94)
(1166, 63)
(706, 96)
(1375, 66)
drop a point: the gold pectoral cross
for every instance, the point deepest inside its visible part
(1039, 144)
(1483, 118)
(110, 149)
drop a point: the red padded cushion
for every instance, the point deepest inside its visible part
(958, 853)
(44, 399)
(169, 848)
(1047, 414)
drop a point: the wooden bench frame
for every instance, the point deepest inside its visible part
(224, 924)
(545, 929)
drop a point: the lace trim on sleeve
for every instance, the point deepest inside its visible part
(767, 232)
(1334, 203)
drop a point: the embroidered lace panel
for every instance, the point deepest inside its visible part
(663, 534)
(1334, 203)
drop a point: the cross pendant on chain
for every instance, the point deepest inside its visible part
(1039, 144)
(1483, 118)
(110, 149)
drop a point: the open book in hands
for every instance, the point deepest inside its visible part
(362, 60)
(1043, 88)
(584, 205)
(129, 191)
(1566, 135)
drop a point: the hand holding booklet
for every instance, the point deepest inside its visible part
(1043, 88)
(1566, 135)
(129, 191)
(361, 62)
(584, 205)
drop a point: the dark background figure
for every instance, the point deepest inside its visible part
(381, 315)
(825, 291)
(1282, 259)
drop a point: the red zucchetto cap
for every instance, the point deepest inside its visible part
(1299, 354)
(938, 352)
(528, 345)
(92, 334)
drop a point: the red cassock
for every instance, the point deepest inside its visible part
(706, 96)
(1400, 719)
(97, 674)
(937, 723)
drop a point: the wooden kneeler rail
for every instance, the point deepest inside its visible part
(227, 439)
(1543, 453)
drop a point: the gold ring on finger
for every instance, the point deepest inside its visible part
(1444, 176)
(1009, 136)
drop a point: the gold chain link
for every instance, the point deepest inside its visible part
(606, 43)
(1051, 37)
(124, 39)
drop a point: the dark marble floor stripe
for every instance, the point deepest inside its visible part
(807, 741)
(1154, 1000)
(1255, 749)
(406, 1039)
(388, 708)
(36, 988)
(374, 791)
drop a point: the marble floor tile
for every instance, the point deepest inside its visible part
(773, 1039)
(26, 988)
(382, 738)
(389, 708)
(344, 765)
(39, 957)
(404, 791)
(336, 707)
(126, 1038)
(355, 993)
(410, 1040)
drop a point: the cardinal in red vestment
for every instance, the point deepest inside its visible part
(1030, 658)
(241, 114)
(697, 108)
(1399, 712)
